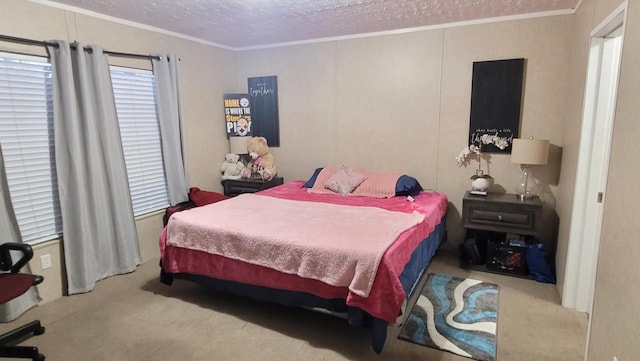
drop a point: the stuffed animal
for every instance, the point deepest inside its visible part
(262, 161)
(231, 167)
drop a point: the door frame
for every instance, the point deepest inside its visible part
(584, 233)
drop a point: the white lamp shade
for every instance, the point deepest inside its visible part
(530, 151)
(238, 145)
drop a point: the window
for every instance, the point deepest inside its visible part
(26, 137)
(134, 92)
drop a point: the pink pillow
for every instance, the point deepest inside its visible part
(378, 185)
(344, 181)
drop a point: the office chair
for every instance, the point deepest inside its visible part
(12, 285)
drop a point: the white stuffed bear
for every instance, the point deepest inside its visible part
(231, 167)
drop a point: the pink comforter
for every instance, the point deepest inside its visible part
(337, 244)
(386, 295)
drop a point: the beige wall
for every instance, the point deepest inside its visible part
(401, 102)
(206, 73)
(338, 108)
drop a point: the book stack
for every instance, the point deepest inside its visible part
(478, 192)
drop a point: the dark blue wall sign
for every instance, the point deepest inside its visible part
(263, 94)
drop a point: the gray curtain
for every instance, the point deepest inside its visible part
(9, 311)
(99, 231)
(165, 70)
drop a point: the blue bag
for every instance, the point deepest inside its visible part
(538, 265)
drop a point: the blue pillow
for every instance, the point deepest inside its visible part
(407, 186)
(312, 180)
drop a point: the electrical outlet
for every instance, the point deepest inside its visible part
(45, 261)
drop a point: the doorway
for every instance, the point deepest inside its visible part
(593, 161)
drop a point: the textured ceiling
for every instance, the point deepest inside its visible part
(254, 23)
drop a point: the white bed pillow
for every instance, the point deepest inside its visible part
(344, 181)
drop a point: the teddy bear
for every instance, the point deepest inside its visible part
(231, 167)
(262, 161)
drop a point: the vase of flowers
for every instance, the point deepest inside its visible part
(480, 181)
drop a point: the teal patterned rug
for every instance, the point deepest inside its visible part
(457, 315)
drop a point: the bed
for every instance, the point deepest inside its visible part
(370, 290)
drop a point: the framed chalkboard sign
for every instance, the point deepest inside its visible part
(263, 95)
(496, 98)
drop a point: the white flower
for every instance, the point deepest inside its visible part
(462, 156)
(476, 147)
(501, 143)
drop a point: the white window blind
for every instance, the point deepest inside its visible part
(140, 131)
(26, 137)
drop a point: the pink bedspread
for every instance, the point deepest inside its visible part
(386, 295)
(337, 244)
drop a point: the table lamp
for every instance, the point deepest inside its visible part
(238, 145)
(528, 152)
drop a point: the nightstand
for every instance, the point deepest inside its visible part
(498, 229)
(234, 187)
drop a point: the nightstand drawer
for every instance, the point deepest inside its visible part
(234, 187)
(238, 189)
(502, 213)
(499, 229)
(512, 218)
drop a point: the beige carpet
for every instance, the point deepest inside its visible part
(135, 317)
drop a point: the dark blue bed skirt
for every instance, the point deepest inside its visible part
(356, 317)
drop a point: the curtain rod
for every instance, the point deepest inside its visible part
(14, 39)
(130, 55)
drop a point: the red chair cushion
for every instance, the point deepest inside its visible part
(13, 285)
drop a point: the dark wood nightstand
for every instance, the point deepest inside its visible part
(499, 228)
(234, 187)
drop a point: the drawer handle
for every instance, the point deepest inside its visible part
(499, 217)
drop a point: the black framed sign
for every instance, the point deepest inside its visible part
(496, 98)
(263, 94)
(237, 114)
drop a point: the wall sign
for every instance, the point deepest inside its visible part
(237, 114)
(263, 94)
(496, 97)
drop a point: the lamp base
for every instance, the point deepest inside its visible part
(523, 196)
(527, 187)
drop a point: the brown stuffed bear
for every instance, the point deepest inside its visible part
(262, 161)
